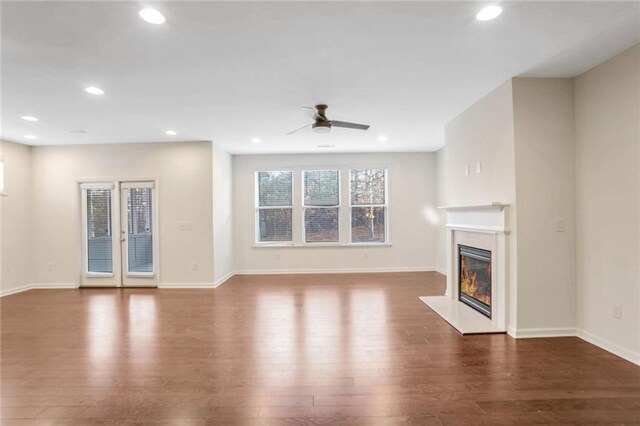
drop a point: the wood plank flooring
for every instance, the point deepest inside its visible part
(355, 349)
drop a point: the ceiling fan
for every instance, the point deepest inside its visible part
(323, 125)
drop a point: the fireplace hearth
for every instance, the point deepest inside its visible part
(474, 278)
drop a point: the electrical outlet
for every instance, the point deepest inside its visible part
(277, 256)
(50, 267)
(365, 255)
(184, 226)
(560, 225)
(617, 311)
(194, 266)
(478, 167)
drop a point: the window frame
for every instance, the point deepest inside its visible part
(304, 207)
(256, 183)
(385, 206)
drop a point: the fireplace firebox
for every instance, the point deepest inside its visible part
(474, 283)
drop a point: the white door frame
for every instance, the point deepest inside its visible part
(119, 277)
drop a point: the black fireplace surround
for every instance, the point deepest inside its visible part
(474, 278)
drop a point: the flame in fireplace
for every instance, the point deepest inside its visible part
(469, 283)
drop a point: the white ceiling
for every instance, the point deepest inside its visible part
(233, 71)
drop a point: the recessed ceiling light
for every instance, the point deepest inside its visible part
(256, 140)
(488, 13)
(152, 16)
(326, 146)
(171, 132)
(382, 138)
(29, 118)
(30, 137)
(94, 90)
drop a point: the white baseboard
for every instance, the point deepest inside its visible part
(609, 346)
(224, 279)
(40, 286)
(440, 270)
(332, 271)
(186, 285)
(530, 333)
(15, 290)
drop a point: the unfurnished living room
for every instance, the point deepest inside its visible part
(319, 212)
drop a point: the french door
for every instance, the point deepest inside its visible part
(119, 233)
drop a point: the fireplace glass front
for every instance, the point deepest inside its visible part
(474, 272)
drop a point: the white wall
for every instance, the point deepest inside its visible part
(545, 191)
(441, 190)
(412, 215)
(14, 217)
(607, 107)
(484, 134)
(222, 214)
(184, 173)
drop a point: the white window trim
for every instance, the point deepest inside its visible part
(385, 206)
(297, 210)
(304, 208)
(256, 218)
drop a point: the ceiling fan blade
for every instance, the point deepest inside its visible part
(297, 130)
(315, 114)
(348, 125)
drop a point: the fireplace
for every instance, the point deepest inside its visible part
(474, 278)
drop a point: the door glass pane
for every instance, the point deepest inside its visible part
(140, 241)
(99, 243)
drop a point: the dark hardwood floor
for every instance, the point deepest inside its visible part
(306, 349)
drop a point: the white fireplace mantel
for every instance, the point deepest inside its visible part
(483, 226)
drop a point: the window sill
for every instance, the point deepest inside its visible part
(321, 245)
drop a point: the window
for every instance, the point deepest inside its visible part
(274, 206)
(99, 241)
(321, 206)
(368, 205)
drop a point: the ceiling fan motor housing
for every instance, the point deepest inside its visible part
(321, 126)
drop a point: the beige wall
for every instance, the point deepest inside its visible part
(484, 134)
(184, 173)
(15, 226)
(222, 214)
(412, 215)
(441, 191)
(607, 105)
(545, 191)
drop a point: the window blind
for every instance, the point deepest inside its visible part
(140, 238)
(274, 206)
(321, 205)
(99, 232)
